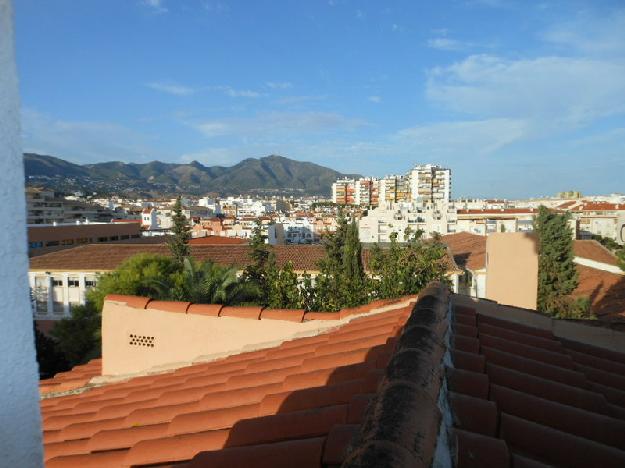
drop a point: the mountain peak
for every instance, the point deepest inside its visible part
(275, 175)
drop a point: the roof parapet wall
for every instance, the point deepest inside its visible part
(141, 335)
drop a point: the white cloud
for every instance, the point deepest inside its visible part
(232, 92)
(445, 43)
(84, 141)
(279, 84)
(171, 88)
(279, 123)
(287, 100)
(554, 92)
(375, 99)
(464, 137)
(590, 34)
(156, 5)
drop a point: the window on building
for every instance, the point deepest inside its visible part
(35, 245)
(52, 243)
(124, 237)
(57, 282)
(91, 282)
(73, 282)
(114, 238)
(58, 307)
(41, 307)
(67, 242)
(102, 239)
(40, 294)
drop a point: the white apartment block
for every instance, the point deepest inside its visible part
(430, 184)
(383, 221)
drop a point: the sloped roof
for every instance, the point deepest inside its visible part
(218, 240)
(605, 290)
(468, 250)
(78, 377)
(522, 397)
(593, 250)
(299, 402)
(365, 394)
(107, 257)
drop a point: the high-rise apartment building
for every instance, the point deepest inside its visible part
(366, 191)
(425, 184)
(395, 189)
(430, 184)
(343, 192)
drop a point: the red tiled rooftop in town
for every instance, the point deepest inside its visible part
(300, 399)
(364, 393)
(522, 397)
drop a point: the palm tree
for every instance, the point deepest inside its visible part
(209, 283)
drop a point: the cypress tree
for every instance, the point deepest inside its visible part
(557, 274)
(179, 243)
(353, 272)
(257, 270)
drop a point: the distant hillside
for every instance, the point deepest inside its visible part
(271, 174)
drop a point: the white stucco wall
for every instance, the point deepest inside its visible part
(20, 431)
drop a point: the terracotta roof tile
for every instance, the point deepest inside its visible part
(536, 397)
(364, 393)
(468, 250)
(593, 250)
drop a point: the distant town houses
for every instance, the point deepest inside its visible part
(397, 205)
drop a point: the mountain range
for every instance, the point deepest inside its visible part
(268, 175)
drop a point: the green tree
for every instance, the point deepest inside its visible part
(49, 357)
(179, 242)
(141, 275)
(283, 285)
(403, 269)
(78, 337)
(341, 281)
(256, 271)
(209, 283)
(557, 274)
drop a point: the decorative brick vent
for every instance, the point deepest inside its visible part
(141, 340)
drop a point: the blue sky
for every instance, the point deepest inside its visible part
(519, 98)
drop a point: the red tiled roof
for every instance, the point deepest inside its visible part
(593, 250)
(469, 250)
(500, 211)
(365, 394)
(78, 377)
(599, 206)
(605, 290)
(107, 257)
(217, 240)
(299, 402)
(522, 397)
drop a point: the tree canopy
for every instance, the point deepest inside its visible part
(557, 274)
